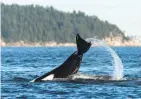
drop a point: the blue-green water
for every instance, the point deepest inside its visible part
(20, 65)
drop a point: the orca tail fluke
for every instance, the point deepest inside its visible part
(82, 45)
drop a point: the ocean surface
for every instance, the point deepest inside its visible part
(20, 65)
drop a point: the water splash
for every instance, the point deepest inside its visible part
(117, 63)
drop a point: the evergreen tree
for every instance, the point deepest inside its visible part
(32, 23)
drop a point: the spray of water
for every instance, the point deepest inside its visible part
(117, 63)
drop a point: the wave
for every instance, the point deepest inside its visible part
(84, 78)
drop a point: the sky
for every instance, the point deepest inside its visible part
(126, 14)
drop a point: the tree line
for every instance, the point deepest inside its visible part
(34, 23)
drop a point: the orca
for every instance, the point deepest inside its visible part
(71, 65)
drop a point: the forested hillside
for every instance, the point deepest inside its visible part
(33, 23)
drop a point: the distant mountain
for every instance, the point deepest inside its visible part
(33, 23)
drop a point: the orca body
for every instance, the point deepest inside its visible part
(71, 65)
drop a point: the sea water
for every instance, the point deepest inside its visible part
(20, 65)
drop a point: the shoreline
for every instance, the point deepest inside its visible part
(117, 41)
(38, 44)
(54, 44)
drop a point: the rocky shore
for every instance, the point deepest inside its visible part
(118, 41)
(38, 44)
(110, 41)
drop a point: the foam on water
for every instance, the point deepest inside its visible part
(117, 63)
(79, 77)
